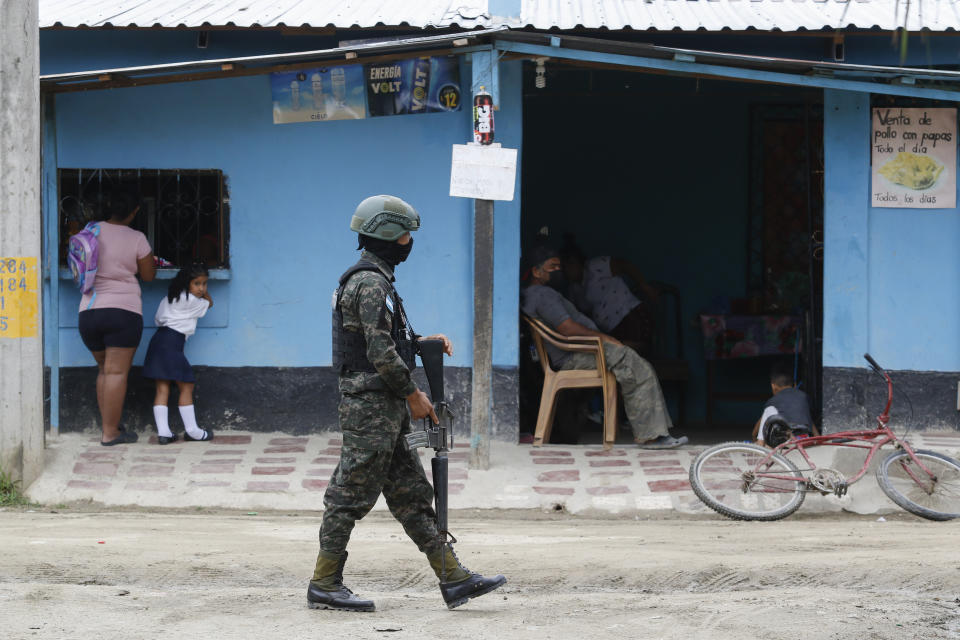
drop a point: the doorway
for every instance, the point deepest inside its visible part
(713, 189)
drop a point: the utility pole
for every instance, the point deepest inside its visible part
(485, 172)
(21, 338)
(484, 74)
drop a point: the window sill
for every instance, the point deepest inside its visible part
(166, 274)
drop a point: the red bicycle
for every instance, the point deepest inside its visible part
(750, 482)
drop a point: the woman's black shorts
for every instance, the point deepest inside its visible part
(102, 328)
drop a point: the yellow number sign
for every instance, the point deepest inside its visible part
(19, 297)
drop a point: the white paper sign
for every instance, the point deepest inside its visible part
(484, 172)
(914, 157)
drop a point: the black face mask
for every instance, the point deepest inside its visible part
(557, 280)
(393, 253)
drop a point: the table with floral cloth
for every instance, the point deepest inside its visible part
(728, 336)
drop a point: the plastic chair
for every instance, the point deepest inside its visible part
(555, 381)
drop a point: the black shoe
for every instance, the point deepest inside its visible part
(342, 599)
(207, 435)
(457, 593)
(125, 437)
(166, 439)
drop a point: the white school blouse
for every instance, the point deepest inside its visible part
(181, 314)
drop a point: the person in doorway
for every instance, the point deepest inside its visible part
(786, 413)
(642, 397)
(373, 352)
(598, 288)
(111, 313)
(187, 300)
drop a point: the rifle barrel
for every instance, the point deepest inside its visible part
(439, 463)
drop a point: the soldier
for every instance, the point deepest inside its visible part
(373, 351)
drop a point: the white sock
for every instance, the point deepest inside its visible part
(190, 421)
(160, 417)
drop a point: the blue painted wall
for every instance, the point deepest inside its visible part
(892, 276)
(292, 189)
(846, 130)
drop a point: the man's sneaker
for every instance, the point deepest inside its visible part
(664, 442)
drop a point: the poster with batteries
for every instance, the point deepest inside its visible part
(421, 85)
(317, 95)
(914, 158)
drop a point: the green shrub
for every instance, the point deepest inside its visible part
(10, 491)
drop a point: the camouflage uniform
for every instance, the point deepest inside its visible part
(373, 418)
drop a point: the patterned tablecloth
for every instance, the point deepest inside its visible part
(726, 336)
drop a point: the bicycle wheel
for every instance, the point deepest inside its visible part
(911, 487)
(730, 480)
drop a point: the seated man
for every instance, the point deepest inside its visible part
(786, 413)
(642, 397)
(598, 289)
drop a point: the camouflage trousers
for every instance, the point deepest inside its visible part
(374, 460)
(639, 387)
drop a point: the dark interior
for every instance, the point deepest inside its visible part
(713, 189)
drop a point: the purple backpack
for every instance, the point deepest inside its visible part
(82, 255)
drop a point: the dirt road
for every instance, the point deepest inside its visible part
(229, 575)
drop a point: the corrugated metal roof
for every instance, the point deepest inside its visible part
(641, 15)
(741, 15)
(261, 13)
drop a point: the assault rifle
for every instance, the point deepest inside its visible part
(438, 437)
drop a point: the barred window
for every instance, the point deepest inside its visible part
(183, 212)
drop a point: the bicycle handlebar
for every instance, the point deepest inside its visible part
(873, 363)
(876, 367)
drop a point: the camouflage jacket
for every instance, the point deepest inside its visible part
(365, 307)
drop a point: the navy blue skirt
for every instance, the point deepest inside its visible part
(165, 359)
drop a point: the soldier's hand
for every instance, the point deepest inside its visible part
(447, 345)
(421, 407)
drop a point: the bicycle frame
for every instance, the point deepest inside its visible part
(854, 439)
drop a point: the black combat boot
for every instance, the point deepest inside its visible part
(460, 584)
(326, 590)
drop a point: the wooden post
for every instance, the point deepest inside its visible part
(21, 336)
(485, 73)
(481, 411)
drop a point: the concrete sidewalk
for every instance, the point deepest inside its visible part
(245, 470)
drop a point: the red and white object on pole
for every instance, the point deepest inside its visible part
(482, 117)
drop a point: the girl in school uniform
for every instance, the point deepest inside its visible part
(187, 300)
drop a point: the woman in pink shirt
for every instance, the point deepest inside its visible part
(111, 314)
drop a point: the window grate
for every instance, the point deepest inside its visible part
(183, 212)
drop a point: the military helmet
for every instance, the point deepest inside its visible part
(384, 217)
